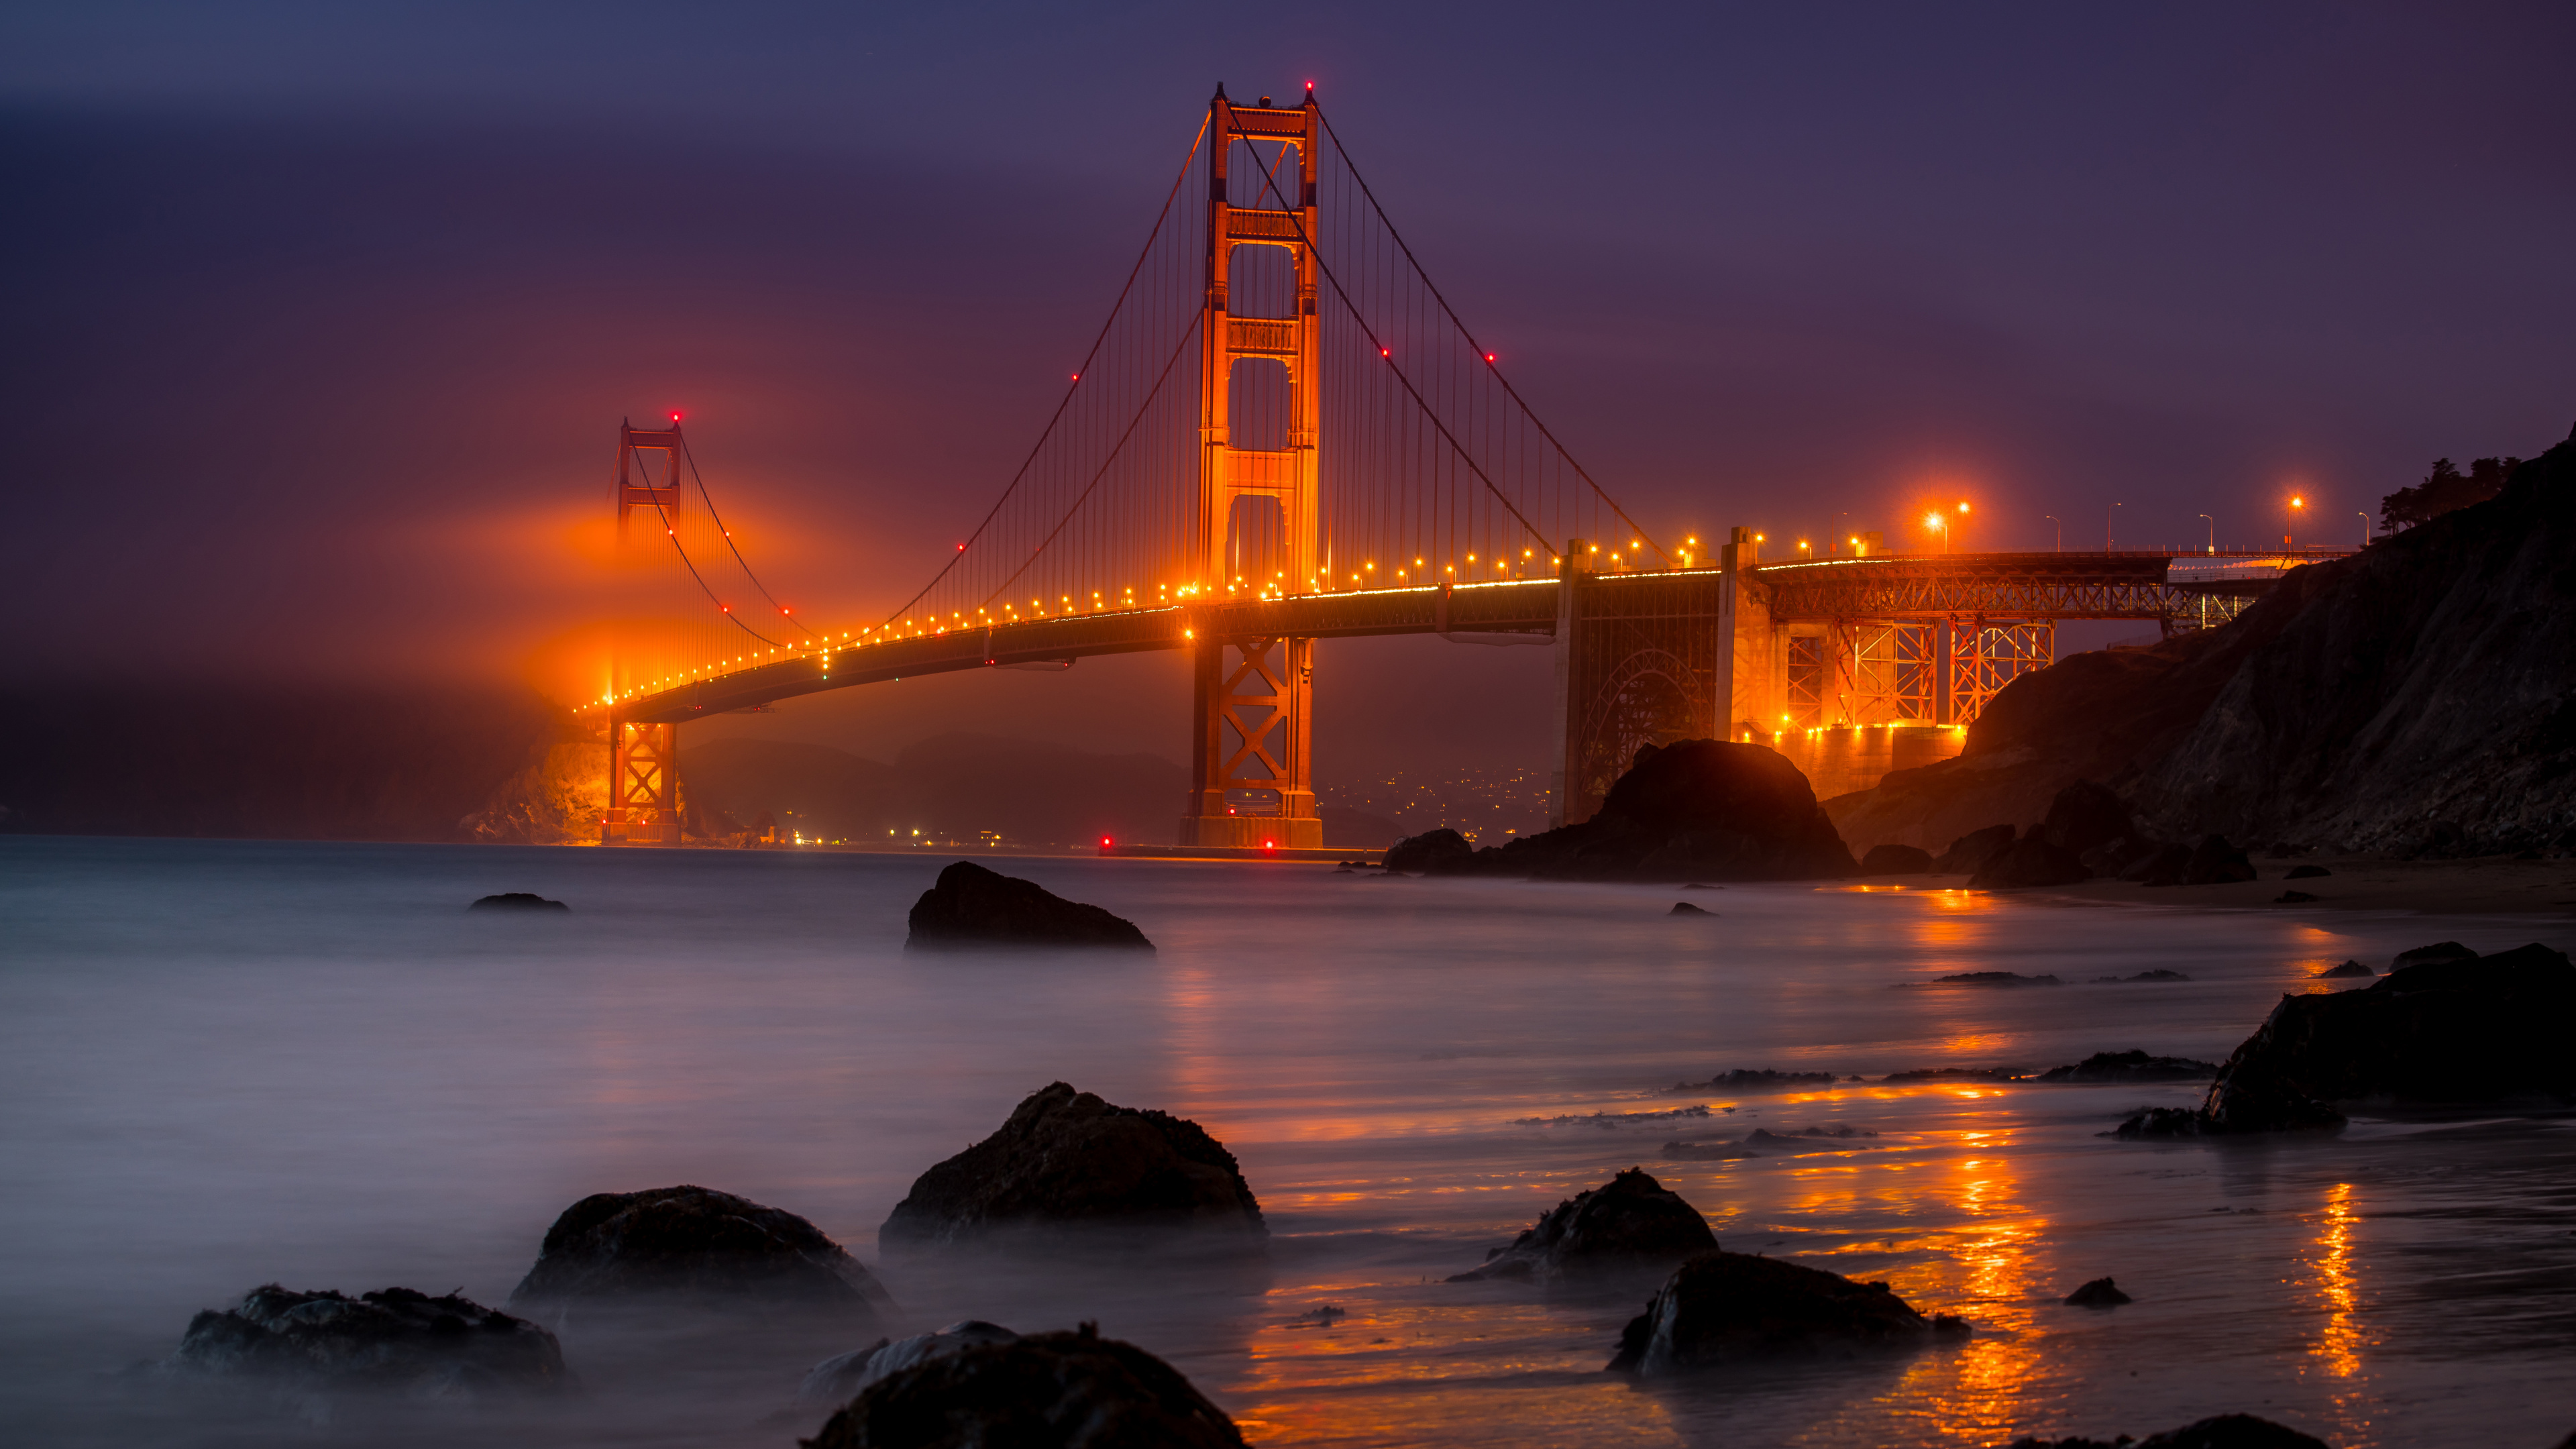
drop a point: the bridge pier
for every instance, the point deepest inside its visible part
(643, 784)
(1252, 716)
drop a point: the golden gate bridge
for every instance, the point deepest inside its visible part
(1284, 433)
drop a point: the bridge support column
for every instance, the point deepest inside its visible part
(643, 784)
(1252, 781)
(1752, 674)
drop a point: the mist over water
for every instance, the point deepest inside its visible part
(223, 1064)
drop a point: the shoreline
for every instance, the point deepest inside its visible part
(2479, 886)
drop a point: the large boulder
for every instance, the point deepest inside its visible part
(1629, 1222)
(2225, 1431)
(517, 901)
(1969, 853)
(2215, 862)
(2029, 861)
(2448, 1029)
(692, 1241)
(1433, 852)
(2086, 816)
(1721, 1307)
(1067, 1161)
(396, 1340)
(837, 1379)
(1045, 1391)
(972, 907)
(1893, 859)
(1692, 811)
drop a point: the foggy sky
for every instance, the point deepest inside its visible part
(321, 318)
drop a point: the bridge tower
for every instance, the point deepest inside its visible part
(643, 759)
(1251, 769)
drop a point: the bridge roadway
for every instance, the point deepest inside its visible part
(2126, 585)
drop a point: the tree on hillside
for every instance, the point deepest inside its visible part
(2444, 489)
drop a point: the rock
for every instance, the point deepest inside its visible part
(395, 1340)
(1988, 978)
(2163, 867)
(835, 1380)
(2215, 862)
(1895, 859)
(2132, 1066)
(1434, 852)
(1705, 1152)
(2226, 1431)
(1761, 1079)
(1722, 1307)
(1685, 908)
(1969, 853)
(973, 907)
(2443, 1029)
(1068, 1160)
(1959, 1074)
(517, 901)
(2292, 898)
(2349, 968)
(2307, 872)
(692, 1241)
(2100, 1293)
(2085, 816)
(1631, 1221)
(2157, 974)
(1046, 1391)
(2426, 955)
(1696, 810)
(2028, 862)
(2118, 856)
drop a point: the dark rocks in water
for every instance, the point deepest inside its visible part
(1702, 886)
(395, 1340)
(2215, 862)
(1705, 1151)
(1068, 1160)
(517, 901)
(2293, 898)
(1760, 1079)
(2444, 1028)
(1724, 1307)
(1959, 1074)
(2028, 862)
(2085, 816)
(2156, 974)
(2226, 1431)
(2347, 969)
(2165, 866)
(835, 1380)
(2132, 1066)
(2100, 1293)
(1434, 852)
(694, 1242)
(1969, 853)
(1893, 859)
(972, 907)
(1987, 978)
(1762, 1139)
(2438, 951)
(1629, 1222)
(1685, 908)
(1692, 811)
(1073, 1390)
(2307, 872)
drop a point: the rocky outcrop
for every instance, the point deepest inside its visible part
(2445, 1029)
(1896, 860)
(2132, 1066)
(1969, 853)
(2029, 861)
(1067, 1162)
(1724, 1307)
(2215, 862)
(2348, 970)
(395, 1340)
(1629, 1222)
(1061, 1390)
(2084, 817)
(972, 908)
(2099, 1293)
(517, 901)
(1433, 852)
(2416, 698)
(836, 1380)
(696, 1242)
(2226, 1431)
(1697, 810)
(1760, 1079)
(1685, 908)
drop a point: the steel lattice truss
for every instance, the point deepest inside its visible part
(2002, 586)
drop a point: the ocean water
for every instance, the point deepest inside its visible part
(225, 1064)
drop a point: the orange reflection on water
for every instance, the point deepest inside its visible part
(1975, 1393)
(2341, 1344)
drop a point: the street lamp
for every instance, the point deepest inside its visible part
(1935, 522)
(2107, 515)
(2213, 533)
(2365, 528)
(2298, 505)
(2061, 531)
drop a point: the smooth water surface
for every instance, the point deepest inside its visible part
(223, 1064)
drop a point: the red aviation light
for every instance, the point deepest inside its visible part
(961, 548)
(1270, 845)
(1489, 357)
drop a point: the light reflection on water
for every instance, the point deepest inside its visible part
(221, 1064)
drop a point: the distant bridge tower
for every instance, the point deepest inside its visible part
(1252, 702)
(643, 759)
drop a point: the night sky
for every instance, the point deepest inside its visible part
(321, 318)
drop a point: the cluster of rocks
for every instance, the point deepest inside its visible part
(2089, 832)
(2444, 1025)
(2224, 1431)
(395, 1340)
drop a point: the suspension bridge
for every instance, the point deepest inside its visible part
(1284, 433)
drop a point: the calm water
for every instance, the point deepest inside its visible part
(224, 1064)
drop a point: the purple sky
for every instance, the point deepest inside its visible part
(320, 318)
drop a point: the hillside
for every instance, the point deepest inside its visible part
(2416, 698)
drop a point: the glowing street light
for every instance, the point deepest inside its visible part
(2061, 530)
(1935, 522)
(2213, 533)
